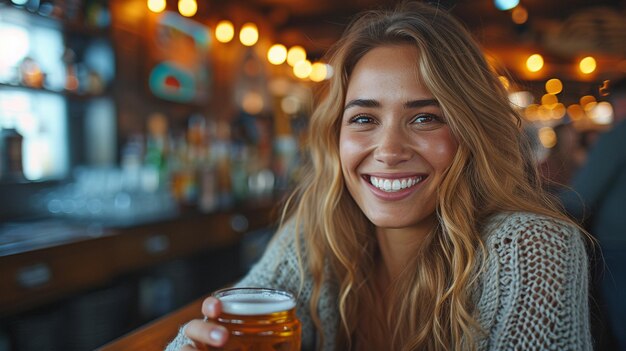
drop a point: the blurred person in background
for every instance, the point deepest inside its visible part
(421, 223)
(598, 198)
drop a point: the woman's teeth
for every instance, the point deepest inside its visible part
(391, 185)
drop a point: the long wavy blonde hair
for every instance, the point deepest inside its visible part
(430, 305)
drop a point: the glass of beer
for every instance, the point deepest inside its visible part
(259, 319)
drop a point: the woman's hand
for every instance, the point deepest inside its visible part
(205, 332)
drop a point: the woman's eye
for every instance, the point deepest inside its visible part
(427, 118)
(427, 121)
(361, 119)
(424, 119)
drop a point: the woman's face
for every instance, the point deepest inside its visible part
(394, 143)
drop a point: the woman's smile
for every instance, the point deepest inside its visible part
(390, 184)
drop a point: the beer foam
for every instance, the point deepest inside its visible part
(256, 303)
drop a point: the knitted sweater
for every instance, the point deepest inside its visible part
(532, 294)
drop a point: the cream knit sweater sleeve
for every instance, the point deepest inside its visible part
(535, 287)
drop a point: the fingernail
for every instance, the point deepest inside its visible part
(211, 309)
(217, 334)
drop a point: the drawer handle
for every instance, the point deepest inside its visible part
(156, 244)
(34, 275)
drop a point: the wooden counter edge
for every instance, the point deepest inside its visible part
(157, 334)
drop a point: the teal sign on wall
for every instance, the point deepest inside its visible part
(181, 69)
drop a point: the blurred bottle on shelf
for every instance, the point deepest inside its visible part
(155, 158)
(221, 154)
(11, 154)
(208, 199)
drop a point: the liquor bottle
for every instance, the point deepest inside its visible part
(11, 155)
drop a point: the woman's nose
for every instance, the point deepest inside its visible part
(392, 146)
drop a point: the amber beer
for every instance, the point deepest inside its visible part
(259, 319)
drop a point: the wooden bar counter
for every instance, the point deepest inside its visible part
(157, 334)
(37, 272)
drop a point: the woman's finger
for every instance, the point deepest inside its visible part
(203, 332)
(211, 307)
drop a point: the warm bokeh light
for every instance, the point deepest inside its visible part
(558, 111)
(586, 100)
(329, 71)
(575, 112)
(318, 72)
(531, 112)
(547, 136)
(554, 86)
(156, 6)
(505, 5)
(590, 106)
(587, 65)
(224, 31)
(252, 103)
(519, 15)
(187, 8)
(505, 82)
(277, 54)
(602, 113)
(290, 104)
(521, 98)
(295, 54)
(544, 113)
(534, 63)
(302, 69)
(549, 100)
(249, 34)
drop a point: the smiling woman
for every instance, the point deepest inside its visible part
(420, 223)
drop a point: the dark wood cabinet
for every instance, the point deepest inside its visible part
(100, 284)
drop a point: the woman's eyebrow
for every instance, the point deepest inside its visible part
(362, 103)
(421, 103)
(374, 103)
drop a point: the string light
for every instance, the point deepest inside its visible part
(534, 63)
(586, 100)
(587, 65)
(549, 100)
(187, 8)
(156, 6)
(554, 86)
(277, 54)
(249, 34)
(295, 54)
(575, 112)
(318, 72)
(224, 31)
(302, 69)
